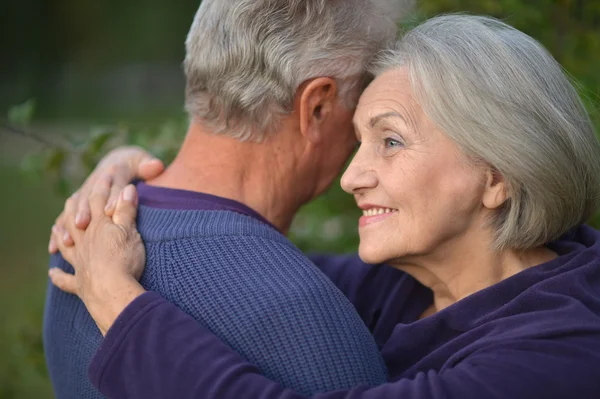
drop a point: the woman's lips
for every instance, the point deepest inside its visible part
(374, 215)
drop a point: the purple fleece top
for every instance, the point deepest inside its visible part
(533, 335)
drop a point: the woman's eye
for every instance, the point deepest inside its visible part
(392, 143)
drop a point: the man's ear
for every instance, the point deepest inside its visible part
(496, 190)
(315, 104)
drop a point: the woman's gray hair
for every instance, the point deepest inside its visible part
(504, 100)
(246, 58)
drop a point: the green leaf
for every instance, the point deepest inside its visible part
(32, 167)
(21, 114)
(99, 139)
(63, 187)
(55, 160)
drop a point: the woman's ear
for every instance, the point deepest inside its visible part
(315, 104)
(496, 189)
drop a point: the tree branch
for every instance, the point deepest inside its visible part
(23, 133)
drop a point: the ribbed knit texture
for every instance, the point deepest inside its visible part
(246, 283)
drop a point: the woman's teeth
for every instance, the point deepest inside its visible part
(377, 211)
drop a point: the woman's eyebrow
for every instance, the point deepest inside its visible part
(374, 120)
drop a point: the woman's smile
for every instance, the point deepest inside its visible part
(373, 214)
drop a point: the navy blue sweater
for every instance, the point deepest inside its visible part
(533, 335)
(237, 277)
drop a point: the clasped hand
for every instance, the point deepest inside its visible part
(108, 256)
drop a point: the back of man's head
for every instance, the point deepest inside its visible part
(246, 58)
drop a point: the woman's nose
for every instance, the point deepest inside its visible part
(360, 175)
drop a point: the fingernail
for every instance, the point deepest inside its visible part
(109, 206)
(129, 193)
(54, 228)
(66, 236)
(51, 246)
(51, 272)
(78, 218)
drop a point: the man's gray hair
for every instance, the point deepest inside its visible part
(246, 58)
(504, 100)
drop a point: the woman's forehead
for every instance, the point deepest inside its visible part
(389, 92)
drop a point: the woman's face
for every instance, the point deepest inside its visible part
(418, 193)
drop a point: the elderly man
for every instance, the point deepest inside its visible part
(271, 88)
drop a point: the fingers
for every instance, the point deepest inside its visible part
(122, 165)
(67, 220)
(150, 168)
(65, 281)
(67, 252)
(126, 208)
(143, 166)
(120, 178)
(52, 247)
(66, 223)
(82, 216)
(99, 195)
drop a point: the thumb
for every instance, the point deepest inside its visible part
(150, 167)
(64, 281)
(126, 208)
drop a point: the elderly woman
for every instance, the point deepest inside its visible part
(477, 167)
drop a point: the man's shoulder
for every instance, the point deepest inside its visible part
(226, 240)
(164, 225)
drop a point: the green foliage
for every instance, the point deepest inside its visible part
(20, 115)
(68, 161)
(328, 224)
(27, 347)
(26, 211)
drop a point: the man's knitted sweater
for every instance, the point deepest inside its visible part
(239, 278)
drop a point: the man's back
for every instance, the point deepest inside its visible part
(245, 282)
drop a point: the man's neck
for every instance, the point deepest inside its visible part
(251, 173)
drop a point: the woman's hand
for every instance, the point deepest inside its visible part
(108, 257)
(123, 165)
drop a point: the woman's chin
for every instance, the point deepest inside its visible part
(371, 255)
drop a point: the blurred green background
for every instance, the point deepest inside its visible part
(100, 70)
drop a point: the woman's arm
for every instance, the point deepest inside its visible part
(154, 350)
